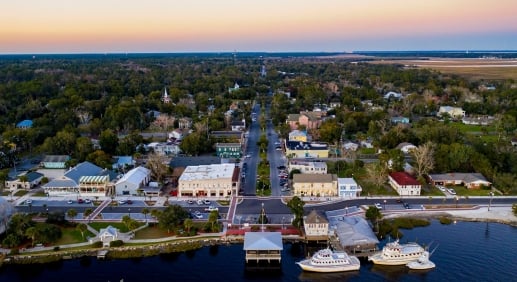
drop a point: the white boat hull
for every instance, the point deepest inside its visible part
(378, 259)
(420, 266)
(307, 266)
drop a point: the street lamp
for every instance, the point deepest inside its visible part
(283, 218)
(129, 212)
(490, 202)
(456, 198)
(384, 204)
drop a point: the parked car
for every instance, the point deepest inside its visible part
(212, 208)
(70, 201)
(451, 191)
(80, 201)
(206, 202)
(281, 167)
(129, 202)
(28, 201)
(121, 202)
(407, 206)
(87, 201)
(198, 215)
(199, 202)
(190, 202)
(378, 206)
(441, 188)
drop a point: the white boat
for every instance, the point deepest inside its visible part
(397, 254)
(421, 263)
(327, 260)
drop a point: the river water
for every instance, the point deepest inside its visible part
(467, 251)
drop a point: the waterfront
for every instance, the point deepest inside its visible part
(467, 251)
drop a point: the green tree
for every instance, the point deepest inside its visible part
(171, 217)
(71, 213)
(31, 233)
(83, 147)
(156, 214)
(188, 224)
(373, 214)
(145, 212)
(81, 227)
(330, 131)
(108, 141)
(213, 221)
(87, 212)
(100, 158)
(126, 220)
(296, 206)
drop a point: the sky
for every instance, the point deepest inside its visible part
(120, 26)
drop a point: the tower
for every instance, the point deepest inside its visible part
(165, 98)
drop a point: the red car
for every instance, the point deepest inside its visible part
(80, 201)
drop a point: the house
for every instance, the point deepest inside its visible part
(315, 185)
(469, 180)
(453, 112)
(367, 144)
(311, 120)
(164, 148)
(398, 119)
(228, 150)
(298, 135)
(55, 161)
(354, 233)
(132, 181)
(179, 133)
(85, 179)
(30, 180)
(232, 136)
(405, 147)
(24, 124)
(348, 188)
(478, 120)
(185, 123)
(316, 227)
(263, 246)
(108, 235)
(308, 167)
(351, 146)
(217, 180)
(234, 88)
(123, 163)
(238, 125)
(404, 184)
(295, 149)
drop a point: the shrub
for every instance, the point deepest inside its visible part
(116, 243)
(445, 220)
(14, 251)
(97, 244)
(56, 248)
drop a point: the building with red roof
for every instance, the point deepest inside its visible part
(404, 184)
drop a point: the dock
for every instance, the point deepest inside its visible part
(101, 254)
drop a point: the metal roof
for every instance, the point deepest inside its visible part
(263, 241)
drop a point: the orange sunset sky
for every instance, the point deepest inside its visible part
(95, 26)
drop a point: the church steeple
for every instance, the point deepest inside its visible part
(165, 98)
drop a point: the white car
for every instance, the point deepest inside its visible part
(441, 188)
(28, 201)
(198, 215)
(87, 201)
(70, 201)
(212, 208)
(378, 206)
(122, 202)
(206, 202)
(199, 202)
(451, 191)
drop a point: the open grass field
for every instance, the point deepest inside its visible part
(488, 69)
(72, 236)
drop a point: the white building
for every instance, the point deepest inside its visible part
(164, 149)
(133, 180)
(453, 112)
(216, 180)
(348, 188)
(308, 167)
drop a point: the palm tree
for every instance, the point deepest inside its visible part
(155, 213)
(212, 219)
(32, 233)
(71, 213)
(145, 212)
(87, 212)
(81, 227)
(126, 219)
(188, 223)
(132, 224)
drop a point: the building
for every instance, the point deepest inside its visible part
(316, 227)
(24, 124)
(298, 135)
(164, 148)
(165, 97)
(348, 188)
(404, 184)
(354, 233)
(308, 167)
(453, 112)
(25, 181)
(406, 147)
(85, 179)
(397, 120)
(234, 88)
(315, 185)
(55, 161)
(238, 125)
(311, 120)
(123, 163)
(132, 181)
(185, 123)
(263, 246)
(478, 120)
(179, 133)
(393, 95)
(469, 180)
(228, 150)
(217, 180)
(228, 136)
(107, 235)
(296, 149)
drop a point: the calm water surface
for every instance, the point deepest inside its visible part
(467, 251)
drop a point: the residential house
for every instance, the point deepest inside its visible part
(295, 149)
(298, 135)
(405, 147)
(235, 87)
(164, 148)
(334, 104)
(307, 167)
(404, 184)
(367, 143)
(108, 235)
(30, 180)
(228, 150)
(217, 180)
(238, 125)
(469, 180)
(179, 133)
(55, 161)
(315, 185)
(398, 119)
(350, 146)
(85, 179)
(348, 188)
(263, 246)
(24, 124)
(132, 181)
(453, 112)
(185, 123)
(478, 120)
(311, 120)
(123, 163)
(316, 227)
(393, 95)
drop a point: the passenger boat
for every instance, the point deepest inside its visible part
(422, 263)
(397, 254)
(327, 260)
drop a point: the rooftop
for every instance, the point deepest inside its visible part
(205, 172)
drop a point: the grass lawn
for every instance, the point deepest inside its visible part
(40, 194)
(21, 193)
(99, 225)
(462, 191)
(152, 232)
(72, 236)
(471, 127)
